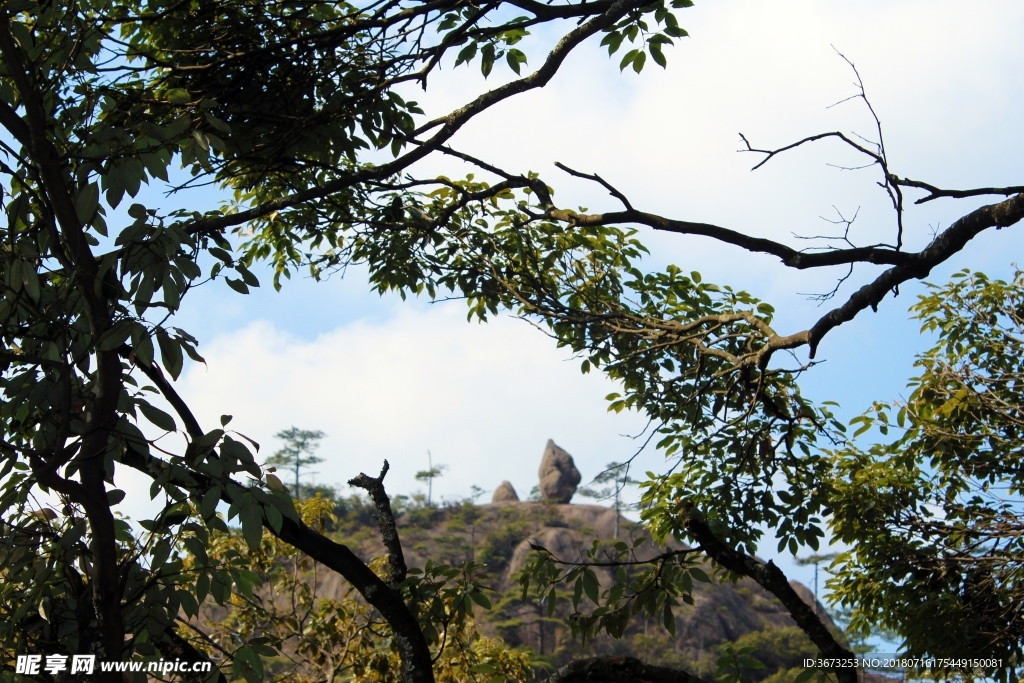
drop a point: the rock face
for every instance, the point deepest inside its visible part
(505, 494)
(500, 537)
(558, 475)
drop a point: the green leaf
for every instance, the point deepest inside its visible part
(487, 56)
(87, 202)
(591, 586)
(700, 574)
(251, 516)
(115, 336)
(247, 276)
(142, 345)
(274, 518)
(515, 59)
(208, 507)
(466, 54)
(638, 61)
(480, 599)
(170, 353)
(249, 663)
(628, 59)
(188, 602)
(178, 96)
(657, 55)
(237, 285)
(158, 417)
(161, 551)
(804, 675)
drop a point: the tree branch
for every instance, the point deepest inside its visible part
(801, 260)
(385, 522)
(156, 376)
(771, 578)
(948, 242)
(907, 266)
(598, 179)
(936, 193)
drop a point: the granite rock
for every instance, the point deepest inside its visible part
(558, 475)
(505, 493)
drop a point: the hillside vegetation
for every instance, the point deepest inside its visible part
(500, 537)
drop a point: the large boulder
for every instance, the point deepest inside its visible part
(505, 494)
(558, 475)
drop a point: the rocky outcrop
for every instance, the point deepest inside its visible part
(501, 537)
(558, 475)
(505, 493)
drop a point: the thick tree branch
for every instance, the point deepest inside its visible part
(907, 266)
(789, 256)
(321, 549)
(412, 646)
(48, 162)
(771, 578)
(568, 11)
(14, 125)
(59, 195)
(386, 522)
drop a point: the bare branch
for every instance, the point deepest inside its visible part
(385, 522)
(936, 193)
(789, 256)
(611, 190)
(772, 153)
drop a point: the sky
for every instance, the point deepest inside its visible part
(390, 379)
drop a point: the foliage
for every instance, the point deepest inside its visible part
(737, 428)
(309, 638)
(933, 515)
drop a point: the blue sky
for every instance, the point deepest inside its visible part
(386, 378)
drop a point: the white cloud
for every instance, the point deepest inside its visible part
(483, 398)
